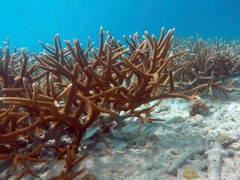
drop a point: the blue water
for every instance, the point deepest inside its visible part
(27, 21)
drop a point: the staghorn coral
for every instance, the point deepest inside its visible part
(63, 92)
(209, 62)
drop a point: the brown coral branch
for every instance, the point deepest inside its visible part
(24, 130)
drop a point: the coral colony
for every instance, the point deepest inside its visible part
(64, 92)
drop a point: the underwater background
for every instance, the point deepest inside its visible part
(93, 112)
(26, 22)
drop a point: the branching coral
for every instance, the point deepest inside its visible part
(208, 63)
(62, 92)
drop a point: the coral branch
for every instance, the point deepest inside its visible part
(215, 157)
(180, 161)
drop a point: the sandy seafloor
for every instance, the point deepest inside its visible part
(179, 143)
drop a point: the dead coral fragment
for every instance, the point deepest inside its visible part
(215, 160)
(172, 170)
(196, 106)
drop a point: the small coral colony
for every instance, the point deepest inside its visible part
(64, 91)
